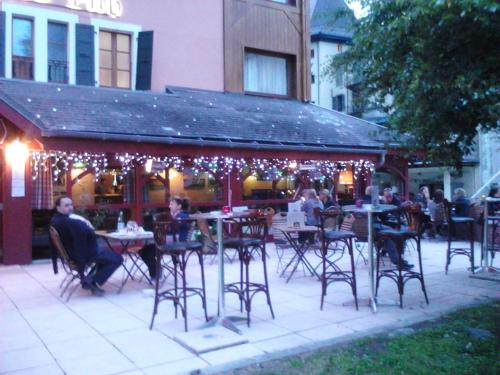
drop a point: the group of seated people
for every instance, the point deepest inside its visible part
(80, 241)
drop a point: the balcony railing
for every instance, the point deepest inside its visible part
(58, 71)
(22, 67)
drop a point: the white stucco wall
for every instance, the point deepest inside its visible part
(325, 86)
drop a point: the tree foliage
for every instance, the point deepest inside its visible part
(439, 60)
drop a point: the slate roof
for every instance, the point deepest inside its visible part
(187, 116)
(323, 22)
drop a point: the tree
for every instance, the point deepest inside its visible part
(439, 61)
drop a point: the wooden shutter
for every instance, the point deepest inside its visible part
(85, 50)
(144, 61)
(3, 38)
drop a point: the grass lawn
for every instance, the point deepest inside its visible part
(441, 347)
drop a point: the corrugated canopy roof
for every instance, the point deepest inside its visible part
(186, 116)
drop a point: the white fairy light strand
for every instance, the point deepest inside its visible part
(216, 166)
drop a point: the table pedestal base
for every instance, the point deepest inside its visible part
(487, 273)
(226, 322)
(372, 302)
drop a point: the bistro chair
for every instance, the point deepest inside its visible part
(400, 235)
(463, 225)
(359, 226)
(69, 266)
(251, 242)
(334, 242)
(284, 250)
(165, 237)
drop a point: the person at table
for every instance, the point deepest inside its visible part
(79, 239)
(179, 210)
(310, 206)
(390, 198)
(326, 198)
(461, 202)
(387, 221)
(367, 198)
(423, 196)
(436, 212)
(494, 192)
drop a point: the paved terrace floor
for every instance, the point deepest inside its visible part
(41, 334)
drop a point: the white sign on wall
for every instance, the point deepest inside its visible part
(111, 8)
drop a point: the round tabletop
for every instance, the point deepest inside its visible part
(366, 208)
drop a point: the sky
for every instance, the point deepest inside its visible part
(355, 5)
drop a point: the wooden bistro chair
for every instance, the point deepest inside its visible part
(251, 242)
(399, 274)
(334, 242)
(165, 237)
(463, 225)
(69, 266)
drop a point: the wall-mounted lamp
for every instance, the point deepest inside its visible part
(16, 154)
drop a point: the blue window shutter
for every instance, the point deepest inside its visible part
(144, 60)
(85, 69)
(3, 38)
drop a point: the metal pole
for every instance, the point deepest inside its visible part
(484, 259)
(370, 260)
(220, 249)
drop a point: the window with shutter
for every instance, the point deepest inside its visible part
(114, 60)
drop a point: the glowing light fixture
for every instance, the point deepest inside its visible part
(17, 153)
(345, 178)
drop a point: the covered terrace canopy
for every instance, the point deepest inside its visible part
(226, 135)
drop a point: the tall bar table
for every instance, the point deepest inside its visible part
(370, 210)
(221, 318)
(487, 272)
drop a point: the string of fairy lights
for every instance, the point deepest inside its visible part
(58, 162)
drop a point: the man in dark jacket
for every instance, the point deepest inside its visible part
(79, 239)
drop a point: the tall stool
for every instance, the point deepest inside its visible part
(412, 215)
(459, 224)
(180, 253)
(330, 235)
(251, 241)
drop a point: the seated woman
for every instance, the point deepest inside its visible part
(179, 210)
(437, 212)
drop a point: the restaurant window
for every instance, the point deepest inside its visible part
(22, 48)
(57, 52)
(345, 186)
(114, 60)
(271, 184)
(197, 186)
(267, 74)
(111, 187)
(338, 103)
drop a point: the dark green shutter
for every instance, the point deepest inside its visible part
(85, 70)
(144, 60)
(2, 44)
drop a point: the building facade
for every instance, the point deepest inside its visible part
(121, 107)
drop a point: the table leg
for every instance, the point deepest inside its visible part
(221, 318)
(371, 265)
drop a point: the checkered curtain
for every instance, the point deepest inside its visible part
(42, 191)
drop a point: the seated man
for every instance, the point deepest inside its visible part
(388, 221)
(79, 239)
(461, 201)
